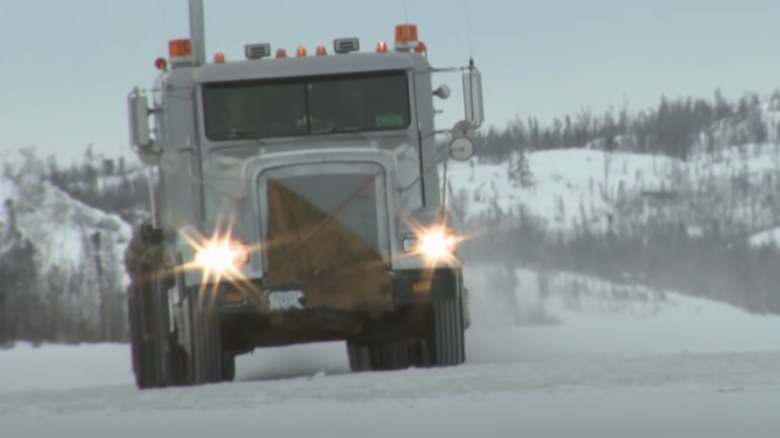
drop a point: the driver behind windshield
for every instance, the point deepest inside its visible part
(238, 119)
(338, 106)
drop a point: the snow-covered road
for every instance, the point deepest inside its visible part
(724, 372)
(645, 413)
(681, 368)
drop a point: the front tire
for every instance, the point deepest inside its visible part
(141, 348)
(208, 359)
(158, 361)
(446, 341)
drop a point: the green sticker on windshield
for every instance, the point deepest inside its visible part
(389, 120)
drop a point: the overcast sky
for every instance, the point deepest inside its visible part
(66, 66)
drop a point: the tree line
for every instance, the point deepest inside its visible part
(675, 127)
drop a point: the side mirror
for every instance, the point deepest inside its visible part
(443, 92)
(472, 96)
(461, 148)
(138, 111)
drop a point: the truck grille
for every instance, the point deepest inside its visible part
(316, 222)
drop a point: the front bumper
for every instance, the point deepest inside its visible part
(408, 288)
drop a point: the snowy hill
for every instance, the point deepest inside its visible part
(582, 188)
(63, 276)
(59, 225)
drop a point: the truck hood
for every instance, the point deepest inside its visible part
(227, 172)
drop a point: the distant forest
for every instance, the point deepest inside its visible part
(674, 128)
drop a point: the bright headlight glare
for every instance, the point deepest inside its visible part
(437, 244)
(221, 256)
(432, 243)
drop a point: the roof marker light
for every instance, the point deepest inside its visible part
(346, 45)
(381, 47)
(281, 53)
(321, 51)
(257, 51)
(161, 63)
(180, 48)
(219, 57)
(180, 52)
(406, 38)
(301, 52)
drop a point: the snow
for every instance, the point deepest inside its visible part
(574, 188)
(564, 180)
(52, 219)
(539, 413)
(667, 366)
(565, 354)
(768, 237)
(64, 367)
(591, 316)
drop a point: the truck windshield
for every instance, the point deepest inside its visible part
(306, 105)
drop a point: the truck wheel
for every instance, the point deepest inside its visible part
(171, 372)
(143, 350)
(157, 359)
(207, 358)
(391, 355)
(382, 355)
(178, 363)
(446, 344)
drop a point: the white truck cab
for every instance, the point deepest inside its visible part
(300, 197)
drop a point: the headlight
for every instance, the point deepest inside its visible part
(221, 255)
(436, 243)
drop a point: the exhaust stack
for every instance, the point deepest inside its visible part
(198, 31)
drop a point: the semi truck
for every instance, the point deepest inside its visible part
(299, 198)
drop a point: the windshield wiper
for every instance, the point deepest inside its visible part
(249, 135)
(338, 130)
(244, 135)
